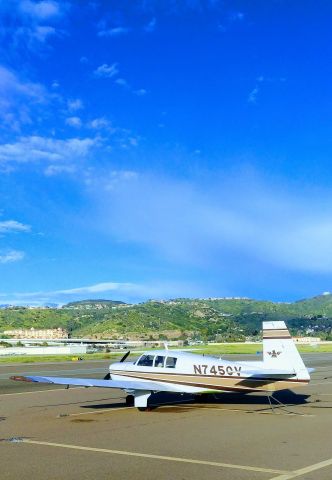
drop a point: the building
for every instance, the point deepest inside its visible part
(45, 334)
(306, 340)
(60, 350)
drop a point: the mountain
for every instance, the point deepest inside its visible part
(209, 318)
(93, 304)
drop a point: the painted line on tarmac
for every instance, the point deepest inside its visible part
(251, 411)
(304, 471)
(109, 410)
(37, 391)
(158, 457)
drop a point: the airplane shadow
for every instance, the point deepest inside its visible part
(162, 399)
(105, 406)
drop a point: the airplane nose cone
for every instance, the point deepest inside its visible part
(115, 366)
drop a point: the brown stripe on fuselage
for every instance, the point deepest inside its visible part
(229, 383)
(275, 332)
(275, 329)
(278, 338)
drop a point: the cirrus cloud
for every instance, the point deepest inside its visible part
(106, 71)
(11, 256)
(35, 149)
(213, 223)
(9, 226)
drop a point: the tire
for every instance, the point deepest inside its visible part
(130, 400)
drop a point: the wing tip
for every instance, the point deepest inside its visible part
(20, 378)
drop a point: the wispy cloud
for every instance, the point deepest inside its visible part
(100, 123)
(126, 291)
(252, 97)
(140, 92)
(75, 104)
(34, 149)
(97, 288)
(11, 256)
(113, 32)
(41, 10)
(236, 16)
(124, 84)
(10, 226)
(264, 223)
(106, 71)
(75, 122)
(29, 24)
(19, 98)
(10, 84)
(260, 81)
(110, 71)
(151, 26)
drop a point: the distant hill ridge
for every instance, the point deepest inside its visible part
(94, 302)
(207, 318)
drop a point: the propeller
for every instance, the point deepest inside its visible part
(108, 375)
(125, 356)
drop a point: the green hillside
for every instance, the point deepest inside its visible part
(221, 319)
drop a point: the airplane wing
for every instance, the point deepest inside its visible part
(95, 382)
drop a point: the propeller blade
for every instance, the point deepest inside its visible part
(108, 375)
(125, 356)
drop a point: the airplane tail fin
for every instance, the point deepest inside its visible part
(279, 350)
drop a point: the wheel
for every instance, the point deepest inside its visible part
(202, 397)
(130, 400)
(145, 409)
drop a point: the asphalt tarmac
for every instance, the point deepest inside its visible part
(49, 432)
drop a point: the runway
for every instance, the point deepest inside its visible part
(49, 432)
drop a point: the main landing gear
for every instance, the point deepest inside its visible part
(139, 400)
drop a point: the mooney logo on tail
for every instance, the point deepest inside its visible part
(274, 354)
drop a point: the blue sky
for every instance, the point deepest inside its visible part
(157, 149)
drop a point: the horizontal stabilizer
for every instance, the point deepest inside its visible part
(95, 382)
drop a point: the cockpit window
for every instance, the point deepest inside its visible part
(170, 362)
(159, 361)
(146, 361)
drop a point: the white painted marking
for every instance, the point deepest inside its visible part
(320, 394)
(157, 457)
(98, 411)
(276, 412)
(303, 471)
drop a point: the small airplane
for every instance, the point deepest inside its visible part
(184, 372)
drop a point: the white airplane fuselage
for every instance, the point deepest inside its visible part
(195, 373)
(174, 371)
